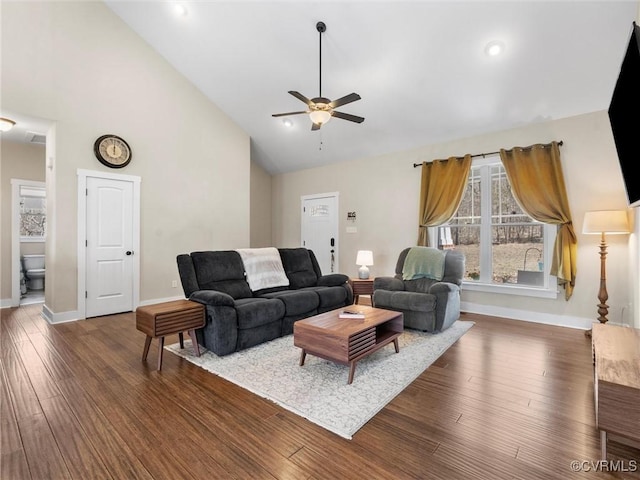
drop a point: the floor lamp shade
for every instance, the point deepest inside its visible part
(606, 221)
(603, 222)
(365, 259)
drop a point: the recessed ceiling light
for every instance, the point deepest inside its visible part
(180, 10)
(287, 122)
(494, 48)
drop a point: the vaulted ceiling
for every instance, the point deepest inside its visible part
(419, 66)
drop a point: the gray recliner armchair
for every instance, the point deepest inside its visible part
(429, 299)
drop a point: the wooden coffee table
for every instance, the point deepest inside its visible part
(347, 341)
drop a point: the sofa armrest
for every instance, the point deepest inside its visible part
(332, 280)
(447, 304)
(443, 287)
(388, 283)
(212, 297)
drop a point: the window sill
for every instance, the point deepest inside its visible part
(513, 289)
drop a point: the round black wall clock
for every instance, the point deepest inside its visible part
(112, 151)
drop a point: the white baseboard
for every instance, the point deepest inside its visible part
(528, 316)
(62, 317)
(160, 300)
(72, 316)
(510, 313)
(5, 303)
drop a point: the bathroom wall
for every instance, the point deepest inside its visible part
(26, 162)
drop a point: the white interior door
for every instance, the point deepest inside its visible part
(320, 229)
(109, 246)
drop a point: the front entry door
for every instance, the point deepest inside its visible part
(320, 229)
(109, 246)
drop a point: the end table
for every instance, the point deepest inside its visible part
(168, 318)
(361, 287)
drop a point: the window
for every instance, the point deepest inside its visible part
(33, 214)
(505, 249)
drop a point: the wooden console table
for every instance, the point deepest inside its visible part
(616, 353)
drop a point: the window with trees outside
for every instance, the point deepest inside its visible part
(505, 248)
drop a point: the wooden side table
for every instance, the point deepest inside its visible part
(361, 287)
(167, 318)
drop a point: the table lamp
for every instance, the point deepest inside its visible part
(364, 258)
(602, 222)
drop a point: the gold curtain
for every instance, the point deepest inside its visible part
(535, 175)
(443, 183)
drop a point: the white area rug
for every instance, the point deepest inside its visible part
(318, 391)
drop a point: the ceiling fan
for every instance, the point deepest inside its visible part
(321, 109)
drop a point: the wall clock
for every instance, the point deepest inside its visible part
(112, 151)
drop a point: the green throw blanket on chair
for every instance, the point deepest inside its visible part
(423, 262)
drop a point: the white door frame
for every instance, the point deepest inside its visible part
(336, 195)
(82, 233)
(16, 183)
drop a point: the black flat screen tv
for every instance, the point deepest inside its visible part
(624, 110)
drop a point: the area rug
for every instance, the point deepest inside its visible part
(318, 391)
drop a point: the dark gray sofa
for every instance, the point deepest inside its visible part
(238, 318)
(427, 304)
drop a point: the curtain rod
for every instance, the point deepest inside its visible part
(482, 155)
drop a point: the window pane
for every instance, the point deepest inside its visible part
(33, 211)
(469, 210)
(467, 240)
(518, 262)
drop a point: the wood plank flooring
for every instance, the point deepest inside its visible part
(509, 400)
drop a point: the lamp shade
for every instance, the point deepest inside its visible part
(364, 257)
(320, 117)
(606, 221)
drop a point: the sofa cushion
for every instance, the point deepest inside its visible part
(256, 312)
(330, 297)
(296, 302)
(222, 271)
(298, 267)
(418, 302)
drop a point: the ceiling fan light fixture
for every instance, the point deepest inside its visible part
(6, 124)
(320, 117)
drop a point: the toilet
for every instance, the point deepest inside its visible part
(34, 271)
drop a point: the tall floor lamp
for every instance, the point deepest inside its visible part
(602, 222)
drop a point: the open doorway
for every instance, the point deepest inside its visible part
(24, 198)
(29, 237)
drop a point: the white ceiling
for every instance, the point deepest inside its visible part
(419, 66)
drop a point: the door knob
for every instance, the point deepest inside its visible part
(129, 252)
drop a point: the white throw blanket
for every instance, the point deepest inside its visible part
(263, 267)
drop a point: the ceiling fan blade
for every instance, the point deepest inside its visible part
(301, 97)
(347, 116)
(352, 97)
(315, 126)
(288, 113)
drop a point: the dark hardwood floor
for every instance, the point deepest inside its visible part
(509, 400)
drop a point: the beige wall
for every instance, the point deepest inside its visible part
(25, 162)
(79, 65)
(383, 191)
(260, 207)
